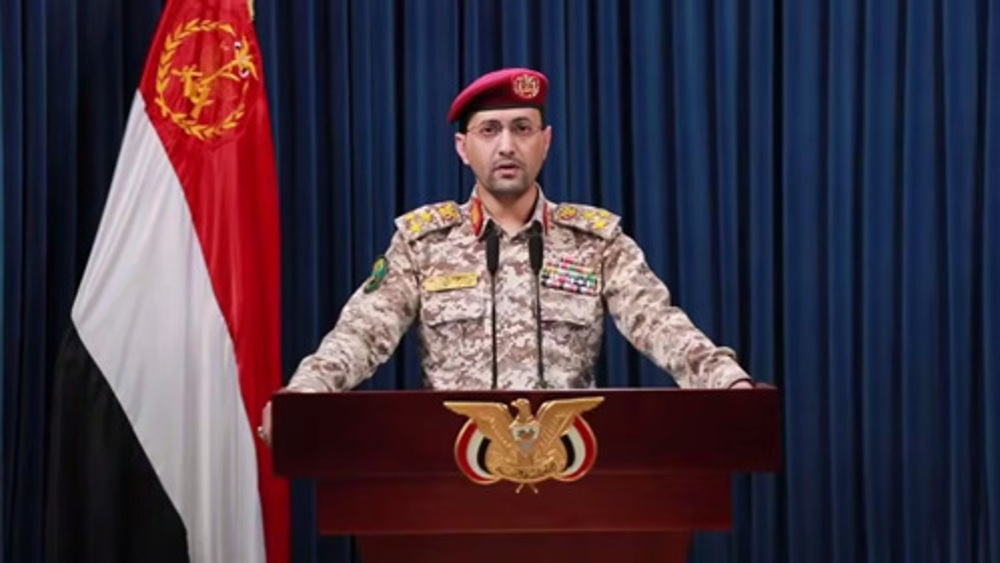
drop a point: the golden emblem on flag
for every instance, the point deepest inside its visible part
(493, 445)
(202, 84)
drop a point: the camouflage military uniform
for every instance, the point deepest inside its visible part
(434, 272)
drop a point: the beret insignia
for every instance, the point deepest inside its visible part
(526, 86)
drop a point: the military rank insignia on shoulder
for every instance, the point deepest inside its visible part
(428, 219)
(594, 220)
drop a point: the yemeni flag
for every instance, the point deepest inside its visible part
(174, 343)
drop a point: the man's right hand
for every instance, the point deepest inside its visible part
(264, 430)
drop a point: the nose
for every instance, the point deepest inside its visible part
(505, 145)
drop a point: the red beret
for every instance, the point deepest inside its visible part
(505, 88)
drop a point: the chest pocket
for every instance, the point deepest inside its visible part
(459, 305)
(561, 306)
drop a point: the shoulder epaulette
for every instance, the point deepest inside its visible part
(428, 219)
(594, 220)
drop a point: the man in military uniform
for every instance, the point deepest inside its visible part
(437, 272)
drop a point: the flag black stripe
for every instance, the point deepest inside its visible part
(481, 455)
(104, 501)
(570, 451)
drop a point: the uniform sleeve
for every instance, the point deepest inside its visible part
(640, 304)
(369, 329)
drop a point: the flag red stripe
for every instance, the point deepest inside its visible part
(230, 184)
(589, 449)
(462, 454)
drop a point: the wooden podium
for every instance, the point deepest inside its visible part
(385, 470)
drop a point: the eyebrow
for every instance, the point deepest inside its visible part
(495, 120)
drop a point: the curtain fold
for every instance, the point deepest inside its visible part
(815, 180)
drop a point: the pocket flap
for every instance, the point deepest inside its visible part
(568, 307)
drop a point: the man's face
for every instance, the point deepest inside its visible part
(505, 149)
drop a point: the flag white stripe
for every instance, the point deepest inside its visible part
(147, 314)
(472, 455)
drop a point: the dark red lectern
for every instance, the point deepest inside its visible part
(385, 469)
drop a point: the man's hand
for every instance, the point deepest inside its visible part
(264, 430)
(742, 384)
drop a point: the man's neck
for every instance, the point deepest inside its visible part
(510, 213)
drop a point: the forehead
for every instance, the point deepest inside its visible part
(506, 114)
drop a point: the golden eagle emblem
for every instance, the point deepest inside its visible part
(493, 445)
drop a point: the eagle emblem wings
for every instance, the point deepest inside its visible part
(523, 448)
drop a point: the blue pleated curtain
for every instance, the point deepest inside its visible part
(816, 180)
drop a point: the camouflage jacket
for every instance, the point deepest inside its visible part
(434, 273)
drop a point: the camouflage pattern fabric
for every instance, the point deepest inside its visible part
(434, 274)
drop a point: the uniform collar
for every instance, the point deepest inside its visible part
(479, 216)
